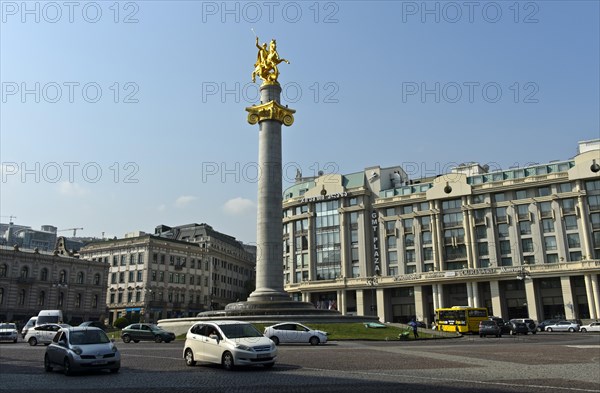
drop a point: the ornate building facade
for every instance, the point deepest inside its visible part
(523, 242)
(33, 280)
(177, 271)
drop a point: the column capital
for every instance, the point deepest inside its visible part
(272, 110)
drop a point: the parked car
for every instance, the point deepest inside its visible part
(541, 327)
(529, 322)
(9, 332)
(82, 348)
(563, 326)
(591, 327)
(517, 327)
(294, 332)
(504, 328)
(229, 343)
(28, 325)
(489, 327)
(43, 334)
(96, 324)
(146, 332)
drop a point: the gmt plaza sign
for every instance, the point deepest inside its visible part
(375, 225)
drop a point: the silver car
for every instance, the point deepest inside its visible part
(563, 326)
(8, 332)
(43, 334)
(82, 348)
(294, 332)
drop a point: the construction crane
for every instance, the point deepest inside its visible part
(71, 229)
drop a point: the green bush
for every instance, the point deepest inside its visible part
(121, 322)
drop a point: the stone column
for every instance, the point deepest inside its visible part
(591, 299)
(567, 295)
(496, 300)
(532, 307)
(269, 242)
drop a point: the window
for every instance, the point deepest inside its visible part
(112, 298)
(140, 258)
(482, 249)
(410, 256)
(503, 230)
(525, 228)
(523, 212)
(80, 278)
(547, 225)
(131, 276)
(546, 209)
(426, 237)
(543, 191)
(550, 242)
(132, 259)
(480, 232)
(24, 272)
(123, 260)
(62, 277)
(568, 205)
(96, 279)
(428, 254)
(565, 187)
(501, 214)
(391, 241)
(499, 197)
(44, 275)
(61, 299)
(1, 295)
(78, 300)
(594, 202)
(139, 275)
(571, 222)
(521, 194)
(506, 261)
(121, 277)
(113, 278)
(552, 258)
(95, 300)
(3, 270)
(115, 260)
(451, 204)
(41, 298)
(575, 256)
(21, 301)
(409, 240)
(573, 240)
(527, 245)
(504, 247)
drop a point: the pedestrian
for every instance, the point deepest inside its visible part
(414, 326)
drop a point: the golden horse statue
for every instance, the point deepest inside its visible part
(267, 61)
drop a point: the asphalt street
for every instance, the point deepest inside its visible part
(545, 362)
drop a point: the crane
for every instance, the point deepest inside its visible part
(71, 229)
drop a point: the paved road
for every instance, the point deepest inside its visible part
(547, 362)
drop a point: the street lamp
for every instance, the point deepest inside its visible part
(523, 274)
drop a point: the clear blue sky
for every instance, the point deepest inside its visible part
(517, 84)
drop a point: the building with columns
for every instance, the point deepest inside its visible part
(523, 242)
(177, 271)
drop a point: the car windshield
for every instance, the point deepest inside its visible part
(240, 330)
(83, 337)
(155, 328)
(47, 319)
(8, 326)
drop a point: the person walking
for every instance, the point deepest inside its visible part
(414, 326)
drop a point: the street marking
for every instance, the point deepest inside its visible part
(459, 380)
(584, 346)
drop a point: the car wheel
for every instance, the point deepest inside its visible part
(158, 339)
(549, 329)
(15, 341)
(32, 341)
(269, 365)
(481, 335)
(114, 370)
(539, 329)
(498, 335)
(47, 364)
(126, 339)
(314, 340)
(67, 367)
(227, 361)
(571, 330)
(275, 340)
(533, 332)
(583, 330)
(189, 358)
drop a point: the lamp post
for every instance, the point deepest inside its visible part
(373, 282)
(523, 274)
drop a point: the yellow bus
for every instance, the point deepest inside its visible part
(460, 319)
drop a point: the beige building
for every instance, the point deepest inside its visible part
(523, 242)
(33, 280)
(178, 271)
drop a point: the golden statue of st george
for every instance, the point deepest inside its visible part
(267, 61)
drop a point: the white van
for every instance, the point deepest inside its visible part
(49, 316)
(30, 324)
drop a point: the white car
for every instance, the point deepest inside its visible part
(8, 332)
(563, 326)
(592, 327)
(229, 343)
(43, 334)
(294, 332)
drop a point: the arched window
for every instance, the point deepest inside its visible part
(61, 299)
(42, 298)
(80, 278)
(24, 272)
(62, 278)
(44, 275)
(1, 295)
(22, 297)
(3, 270)
(78, 300)
(95, 301)
(97, 279)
